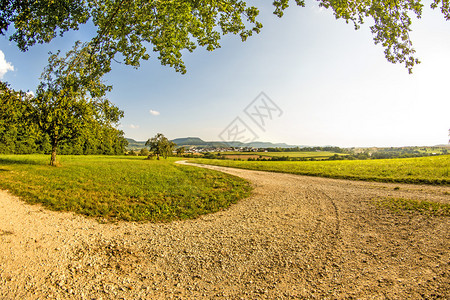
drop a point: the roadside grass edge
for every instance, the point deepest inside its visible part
(402, 205)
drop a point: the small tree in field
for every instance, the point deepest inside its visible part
(68, 100)
(180, 151)
(144, 152)
(160, 146)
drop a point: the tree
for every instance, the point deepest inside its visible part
(18, 134)
(125, 27)
(160, 145)
(180, 151)
(133, 153)
(67, 102)
(144, 152)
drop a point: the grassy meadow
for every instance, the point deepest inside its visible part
(120, 187)
(425, 170)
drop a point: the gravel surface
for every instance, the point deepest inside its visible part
(295, 237)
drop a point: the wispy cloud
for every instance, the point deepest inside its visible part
(154, 112)
(133, 126)
(4, 65)
(317, 9)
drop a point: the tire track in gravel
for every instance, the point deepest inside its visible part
(295, 237)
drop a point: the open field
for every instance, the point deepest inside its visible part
(311, 154)
(244, 156)
(431, 150)
(427, 170)
(120, 187)
(295, 237)
(400, 205)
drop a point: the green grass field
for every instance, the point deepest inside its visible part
(120, 187)
(426, 170)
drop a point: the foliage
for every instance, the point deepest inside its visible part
(426, 170)
(67, 102)
(144, 152)
(40, 20)
(400, 205)
(121, 187)
(160, 145)
(95, 139)
(132, 153)
(125, 28)
(180, 151)
(18, 134)
(21, 134)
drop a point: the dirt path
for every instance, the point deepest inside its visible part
(296, 237)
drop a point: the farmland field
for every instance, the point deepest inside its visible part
(119, 187)
(310, 154)
(428, 170)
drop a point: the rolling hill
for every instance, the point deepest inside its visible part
(198, 142)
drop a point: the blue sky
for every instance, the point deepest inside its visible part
(332, 84)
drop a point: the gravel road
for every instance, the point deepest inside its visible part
(295, 237)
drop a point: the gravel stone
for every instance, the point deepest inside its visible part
(295, 237)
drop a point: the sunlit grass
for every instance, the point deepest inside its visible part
(120, 187)
(401, 205)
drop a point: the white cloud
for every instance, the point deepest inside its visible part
(154, 112)
(132, 126)
(317, 9)
(30, 93)
(4, 65)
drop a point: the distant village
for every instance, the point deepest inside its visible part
(224, 149)
(197, 147)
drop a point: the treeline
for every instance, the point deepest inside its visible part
(20, 132)
(354, 156)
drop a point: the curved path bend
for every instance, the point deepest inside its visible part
(295, 237)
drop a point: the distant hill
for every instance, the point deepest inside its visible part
(198, 142)
(190, 141)
(195, 141)
(134, 145)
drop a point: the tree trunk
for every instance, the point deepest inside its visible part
(53, 158)
(157, 156)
